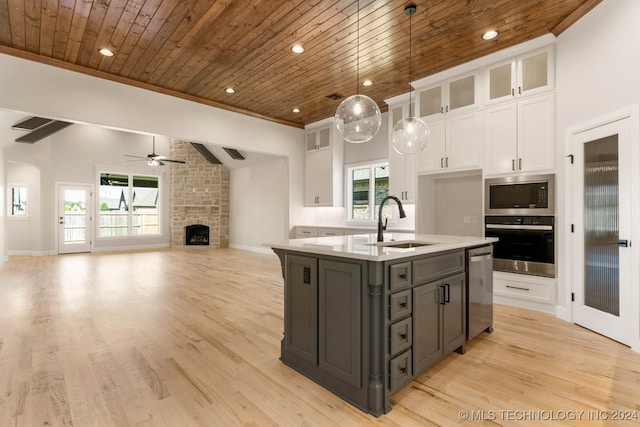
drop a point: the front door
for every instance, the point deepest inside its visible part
(601, 246)
(74, 218)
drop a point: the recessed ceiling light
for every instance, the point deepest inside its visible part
(297, 49)
(230, 90)
(296, 110)
(106, 52)
(367, 83)
(489, 35)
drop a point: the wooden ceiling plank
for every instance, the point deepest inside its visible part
(125, 51)
(5, 24)
(32, 25)
(109, 26)
(16, 23)
(149, 35)
(66, 8)
(157, 49)
(254, 41)
(231, 27)
(92, 29)
(122, 31)
(180, 41)
(76, 32)
(277, 53)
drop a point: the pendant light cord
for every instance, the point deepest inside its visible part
(358, 48)
(410, 11)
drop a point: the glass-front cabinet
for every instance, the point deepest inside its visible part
(522, 76)
(455, 95)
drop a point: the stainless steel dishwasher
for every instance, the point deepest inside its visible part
(479, 291)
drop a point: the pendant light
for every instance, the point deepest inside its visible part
(410, 135)
(358, 117)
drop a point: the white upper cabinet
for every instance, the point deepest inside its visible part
(451, 96)
(454, 143)
(526, 75)
(519, 136)
(402, 168)
(324, 163)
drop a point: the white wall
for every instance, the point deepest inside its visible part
(257, 196)
(3, 210)
(597, 69)
(24, 236)
(85, 99)
(75, 155)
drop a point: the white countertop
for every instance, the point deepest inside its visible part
(365, 246)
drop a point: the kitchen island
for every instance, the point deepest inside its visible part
(362, 318)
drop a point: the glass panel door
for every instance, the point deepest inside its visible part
(74, 205)
(601, 225)
(602, 255)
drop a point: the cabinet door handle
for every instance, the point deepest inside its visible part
(518, 287)
(520, 163)
(513, 164)
(442, 162)
(447, 293)
(519, 90)
(446, 162)
(441, 110)
(447, 109)
(513, 92)
(441, 295)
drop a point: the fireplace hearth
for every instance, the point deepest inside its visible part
(196, 235)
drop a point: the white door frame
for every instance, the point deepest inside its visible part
(90, 208)
(631, 112)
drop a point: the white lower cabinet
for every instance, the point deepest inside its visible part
(535, 292)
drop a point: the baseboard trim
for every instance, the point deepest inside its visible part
(130, 247)
(30, 253)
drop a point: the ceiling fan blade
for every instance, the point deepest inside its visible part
(173, 161)
(137, 157)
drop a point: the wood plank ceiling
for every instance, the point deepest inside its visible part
(196, 48)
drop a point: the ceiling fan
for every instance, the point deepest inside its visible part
(154, 159)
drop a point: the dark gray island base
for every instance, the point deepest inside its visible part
(365, 326)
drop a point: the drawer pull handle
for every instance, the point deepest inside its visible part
(403, 336)
(403, 304)
(403, 369)
(518, 287)
(403, 276)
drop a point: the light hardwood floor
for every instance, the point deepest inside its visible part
(191, 337)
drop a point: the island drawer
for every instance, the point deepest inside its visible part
(399, 276)
(432, 268)
(399, 305)
(400, 371)
(400, 333)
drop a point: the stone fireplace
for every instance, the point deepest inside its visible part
(199, 196)
(196, 235)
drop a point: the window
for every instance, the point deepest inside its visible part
(129, 205)
(18, 202)
(367, 185)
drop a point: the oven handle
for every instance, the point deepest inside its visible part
(519, 227)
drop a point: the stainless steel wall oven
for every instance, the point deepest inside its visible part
(526, 244)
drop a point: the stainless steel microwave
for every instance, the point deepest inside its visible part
(520, 195)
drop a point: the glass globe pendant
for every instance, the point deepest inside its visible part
(409, 136)
(358, 118)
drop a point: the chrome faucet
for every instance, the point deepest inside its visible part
(381, 227)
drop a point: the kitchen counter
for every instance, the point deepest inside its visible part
(365, 246)
(363, 318)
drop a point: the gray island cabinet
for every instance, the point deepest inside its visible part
(363, 318)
